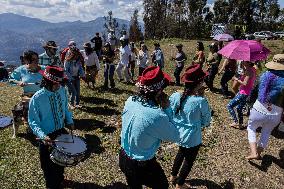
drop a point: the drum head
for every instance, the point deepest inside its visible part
(77, 147)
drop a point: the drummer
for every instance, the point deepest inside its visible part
(28, 77)
(48, 115)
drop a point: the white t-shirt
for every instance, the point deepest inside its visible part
(124, 53)
(91, 60)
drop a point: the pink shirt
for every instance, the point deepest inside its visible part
(246, 89)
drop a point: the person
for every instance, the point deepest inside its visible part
(179, 60)
(74, 70)
(199, 57)
(98, 44)
(145, 123)
(125, 58)
(3, 72)
(239, 101)
(72, 46)
(143, 58)
(267, 110)
(111, 39)
(191, 114)
(229, 67)
(29, 78)
(132, 60)
(48, 115)
(158, 56)
(49, 57)
(92, 64)
(213, 62)
(109, 67)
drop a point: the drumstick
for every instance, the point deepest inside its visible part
(72, 135)
(56, 140)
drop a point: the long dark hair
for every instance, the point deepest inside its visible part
(89, 51)
(188, 89)
(28, 55)
(145, 97)
(200, 46)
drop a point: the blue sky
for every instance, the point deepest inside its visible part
(71, 10)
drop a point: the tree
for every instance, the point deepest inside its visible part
(221, 11)
(111, 25)
(135, 33)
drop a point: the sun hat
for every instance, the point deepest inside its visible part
(153, 79)
(54, 74)
(50, 44)
(194, 74)
(277, 62)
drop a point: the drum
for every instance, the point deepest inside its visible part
(68, 151)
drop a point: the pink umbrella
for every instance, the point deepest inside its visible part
(223, 37)
(246, 50)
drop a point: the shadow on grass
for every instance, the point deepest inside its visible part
(96, 100)
(267, 161)
(100, 111)
(30, 137)
(212, 185)
(77, 185)
(93, 145)
(92, 124)
(115, 90)
(277, 134)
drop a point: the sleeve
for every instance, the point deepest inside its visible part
(40, 60)
(68, 114)
(16, 75)
(97, 61)
(205, 113)
(163, 129)
(34, 119)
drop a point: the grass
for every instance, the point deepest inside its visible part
(220, 164)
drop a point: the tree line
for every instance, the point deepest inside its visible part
(194, 18)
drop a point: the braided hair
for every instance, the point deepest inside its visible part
(188, 89)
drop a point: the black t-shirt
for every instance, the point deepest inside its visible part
(3, 74)
(98, 42)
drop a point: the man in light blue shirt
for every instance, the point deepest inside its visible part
(48, 115)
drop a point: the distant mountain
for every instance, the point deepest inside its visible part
(19, 33)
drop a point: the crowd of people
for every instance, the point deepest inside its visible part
(149, 116)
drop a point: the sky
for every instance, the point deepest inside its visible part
(72, 10)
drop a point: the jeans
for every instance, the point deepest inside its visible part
(177, 73)
(227, 76)
(186, 156)
(138, 173)
(125, 69)
(239, 101)
(74, 89)
(108, 74)
(213, 70)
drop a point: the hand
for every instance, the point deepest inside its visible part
(47, 141)
(163, 100)
(22, 84)
(234, 78)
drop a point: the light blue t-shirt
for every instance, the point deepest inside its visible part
(24, 75)
(144, 126)
(48, 111)
(193, 116)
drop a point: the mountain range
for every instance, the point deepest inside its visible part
(19, 33)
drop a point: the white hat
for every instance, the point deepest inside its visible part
(71, 43)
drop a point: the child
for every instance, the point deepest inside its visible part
(191, 114)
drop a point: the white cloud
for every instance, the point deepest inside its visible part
(70, 10)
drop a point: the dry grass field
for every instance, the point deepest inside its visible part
(220, 164)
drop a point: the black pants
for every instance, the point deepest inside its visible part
(108, 74)
(177, 73)
(227, 76)
(141, 70)
(53, 173)
(138, 173)
(211, 76)
(186, 156)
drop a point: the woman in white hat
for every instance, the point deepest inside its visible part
(268, 108)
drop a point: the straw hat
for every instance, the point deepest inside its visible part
(277, 62)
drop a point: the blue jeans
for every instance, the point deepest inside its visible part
(108, 74)
(239, 101)
(74, 89)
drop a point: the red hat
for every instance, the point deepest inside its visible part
(153, 79)
(54, 74)
(194, 74)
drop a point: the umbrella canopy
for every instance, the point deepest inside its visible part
(223, 37)
(246, 50)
